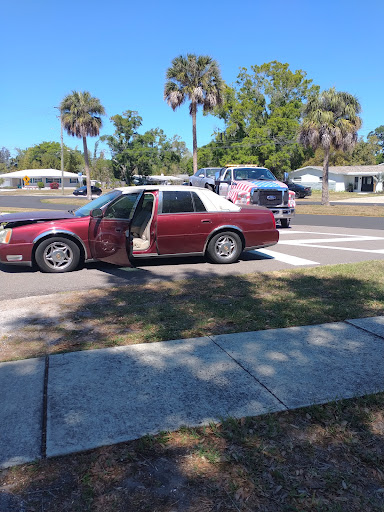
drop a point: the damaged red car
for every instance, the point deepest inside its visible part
(136, 222)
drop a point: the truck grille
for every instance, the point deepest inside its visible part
(270, 197)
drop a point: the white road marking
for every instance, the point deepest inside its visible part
(288, 232)
(320, 240)
(285, 258)
(374, 251)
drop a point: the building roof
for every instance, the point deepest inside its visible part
(348, 170)
(38, 173)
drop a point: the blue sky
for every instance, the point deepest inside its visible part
(120, 50)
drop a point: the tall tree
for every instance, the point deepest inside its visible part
(5, 159)
(121, 144)
(81, 117)
(198, 79)
(378, 136)
(330, 119)
(262, 114)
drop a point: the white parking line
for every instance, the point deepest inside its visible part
(285, 258)
(308, 241)
(350, 249)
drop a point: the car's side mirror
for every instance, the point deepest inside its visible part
(97, 213)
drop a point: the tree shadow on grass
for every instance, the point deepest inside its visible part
(287, 461)
(300, 460)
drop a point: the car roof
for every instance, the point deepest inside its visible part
(212, 201)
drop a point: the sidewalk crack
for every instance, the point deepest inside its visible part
(249, 373)
(363, 329)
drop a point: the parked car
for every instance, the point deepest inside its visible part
(299, 190)
(82, 191)
(204, 178)
(136, 222)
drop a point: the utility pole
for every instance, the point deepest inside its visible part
(62, 154)
(62, 151)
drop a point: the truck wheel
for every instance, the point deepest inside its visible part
(285, 223)
(57, 255)
(224, 247)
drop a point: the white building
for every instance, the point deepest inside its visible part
(47, 176)
(356, 178)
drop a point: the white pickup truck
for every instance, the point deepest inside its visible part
(250, 184)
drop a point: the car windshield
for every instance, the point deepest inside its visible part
(101, 201)
(253, 174)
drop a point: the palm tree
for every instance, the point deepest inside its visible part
(330, 119)
(198, 79)
(80, 114)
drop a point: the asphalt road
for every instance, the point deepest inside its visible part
(299, 246)
(311, 240)
(34, 202)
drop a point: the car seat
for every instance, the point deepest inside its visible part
(140, 228)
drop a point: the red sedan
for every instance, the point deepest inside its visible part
(136, 221)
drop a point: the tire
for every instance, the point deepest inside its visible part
(225, 247)
(285, 223)
(297, 195)
(209, 187)
(57, 255)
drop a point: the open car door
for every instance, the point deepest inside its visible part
(109, 230)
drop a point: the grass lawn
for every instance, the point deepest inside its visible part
(341, 209)
(185, 309)
(34, 192)
(339, 196)
(324, 458)
(78, 201)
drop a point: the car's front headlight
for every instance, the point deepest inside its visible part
(5, 236)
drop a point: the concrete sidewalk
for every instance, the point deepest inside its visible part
(81, 400)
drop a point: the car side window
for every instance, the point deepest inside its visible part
(177, 202)
(121, 209)
(227, 175)
(199, 206)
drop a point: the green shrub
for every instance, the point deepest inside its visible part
(40, 184)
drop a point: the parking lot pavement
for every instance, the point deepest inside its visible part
(101, 397)
(304, 245)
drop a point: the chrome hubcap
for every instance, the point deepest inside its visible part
(58, 255)
(225, 246)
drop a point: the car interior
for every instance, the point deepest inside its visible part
(141, 224)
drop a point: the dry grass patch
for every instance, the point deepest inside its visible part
(186, 309)
(338, 209)
(322, 458)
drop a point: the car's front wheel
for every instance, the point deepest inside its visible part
(56, 255)
(285, 223)
(224, 247)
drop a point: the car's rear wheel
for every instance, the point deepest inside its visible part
(57, 255)
(225, 247)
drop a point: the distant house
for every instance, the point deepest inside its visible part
(356, 178)
(46, 176)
